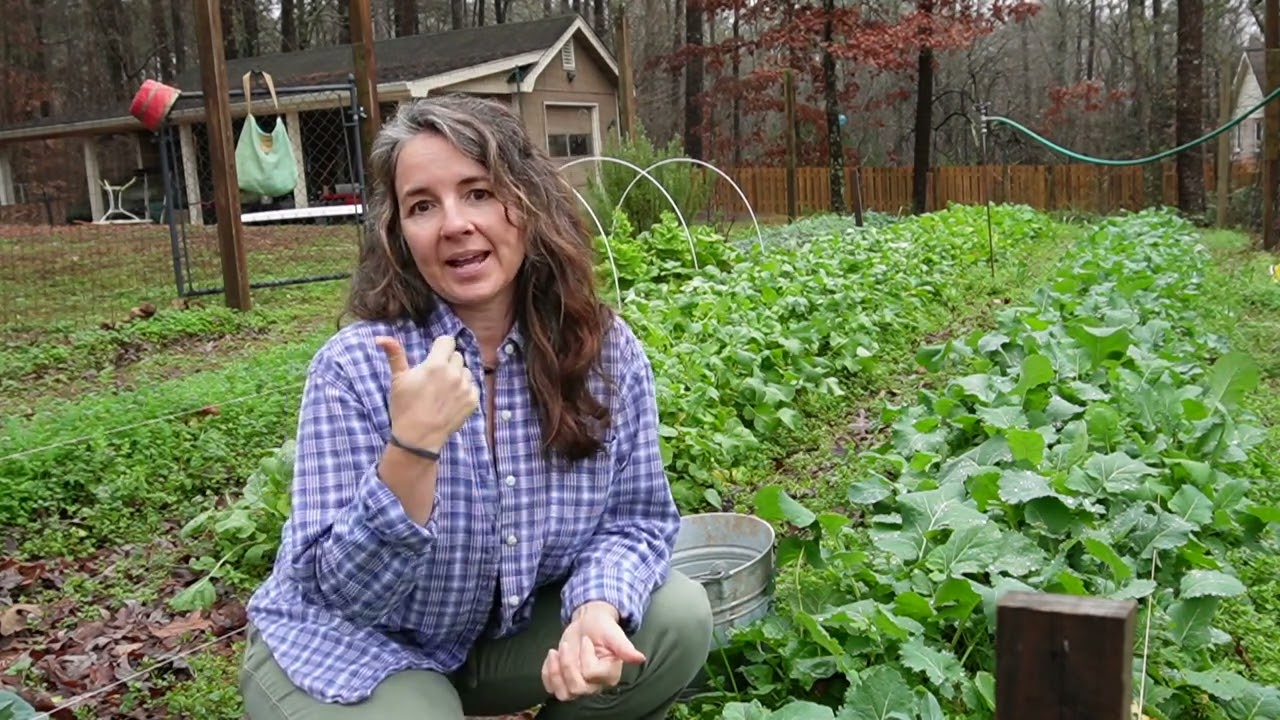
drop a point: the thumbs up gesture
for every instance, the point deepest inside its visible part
(430, 401)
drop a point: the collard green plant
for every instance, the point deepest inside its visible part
(1092, 443)
(246, 532)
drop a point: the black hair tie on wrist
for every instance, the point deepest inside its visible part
(420, 452)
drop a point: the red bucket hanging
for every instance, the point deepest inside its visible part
(152, 103)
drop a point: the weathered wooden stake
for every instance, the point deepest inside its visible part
(1064, 657)
(366, 72)
(626, 79)
(1271, 127)
(789, 105)
(226, 193)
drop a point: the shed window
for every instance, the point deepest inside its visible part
(569, 144)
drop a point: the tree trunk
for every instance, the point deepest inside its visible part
(677, 72)
(924, 122)
(598, 19)
(107, 19)
(458, 13)
(1093, 39)
(179, 36)
(406, 12)
(288, 27)
(1190, 107)
(230, 36)
(693, 80)
(249, 27)
(835, 143)
(164, 44)
(737, 76)
(344, 22)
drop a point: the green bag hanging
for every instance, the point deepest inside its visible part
(265, 165)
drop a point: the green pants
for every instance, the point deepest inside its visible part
(505, 676)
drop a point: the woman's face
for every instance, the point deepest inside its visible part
(459, 234)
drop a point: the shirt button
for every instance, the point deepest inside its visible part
(509, 349)
(511, 540)
(506, 414)
(511, 481)
(513, 600)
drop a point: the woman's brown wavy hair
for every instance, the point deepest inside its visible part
(557, 308)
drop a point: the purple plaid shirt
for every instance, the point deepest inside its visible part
(359, 591)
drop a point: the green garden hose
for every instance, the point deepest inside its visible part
(1136, 161)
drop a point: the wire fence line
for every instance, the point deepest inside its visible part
(269, 392)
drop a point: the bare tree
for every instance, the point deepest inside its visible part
(1190, 106)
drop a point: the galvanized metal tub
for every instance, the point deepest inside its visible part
(732, 556)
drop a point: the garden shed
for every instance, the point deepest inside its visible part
(555, 71)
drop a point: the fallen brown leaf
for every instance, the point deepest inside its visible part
(195, 622)
(14, 618)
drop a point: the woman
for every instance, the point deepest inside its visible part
(481, 523)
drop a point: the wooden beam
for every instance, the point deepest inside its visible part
(626, 78)
(366, 66)
(1064, 657)
(1271, 134)
(226, 194)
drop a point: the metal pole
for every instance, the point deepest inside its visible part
(170, 187)
(357, 134)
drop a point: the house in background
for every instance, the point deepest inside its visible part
(555, 72)
(1250, 76)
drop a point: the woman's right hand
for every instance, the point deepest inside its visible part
(429, 402)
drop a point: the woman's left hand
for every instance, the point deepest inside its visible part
(591, 653)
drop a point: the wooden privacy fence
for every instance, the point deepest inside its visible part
(1078, 187)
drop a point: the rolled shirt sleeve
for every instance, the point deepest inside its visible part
(629, 555)
(348, 544)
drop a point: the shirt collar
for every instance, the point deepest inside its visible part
(444, 321)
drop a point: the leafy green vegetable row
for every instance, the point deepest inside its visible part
(736, 342)
(1091, 444)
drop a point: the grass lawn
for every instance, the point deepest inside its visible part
(1245, 304)
(115, 438)
(74, 277)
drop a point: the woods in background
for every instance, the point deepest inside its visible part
(876, 83)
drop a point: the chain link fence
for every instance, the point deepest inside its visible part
(76, 253)
(309, 234)
(61, 267)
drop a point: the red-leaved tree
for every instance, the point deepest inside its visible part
(788, 35)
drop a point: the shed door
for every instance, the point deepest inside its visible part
(571, 134)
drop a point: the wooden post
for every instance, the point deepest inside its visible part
(789, 105)
(226, 194)
(1064, 656)
(1229, 89)
(366, 66)
(1271, 133)
(626, 78)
